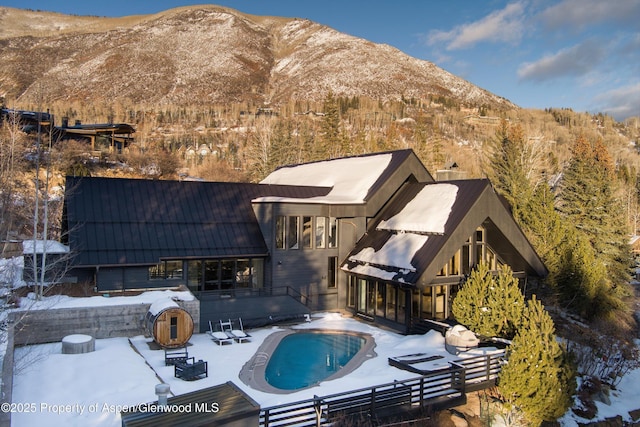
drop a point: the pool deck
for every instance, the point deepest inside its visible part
(253, 372)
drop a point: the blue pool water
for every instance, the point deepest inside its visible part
(306, 358)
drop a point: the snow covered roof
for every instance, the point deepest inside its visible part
(415, 230)
(41, 246)
(428, 212)
(388, 252)
(397, 252)
(350, 179)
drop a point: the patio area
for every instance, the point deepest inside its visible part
(91, 389)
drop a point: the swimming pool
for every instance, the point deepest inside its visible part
(304, 359)
(293, 359)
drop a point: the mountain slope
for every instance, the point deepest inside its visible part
(207, 54)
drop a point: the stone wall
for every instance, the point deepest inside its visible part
(42, 326)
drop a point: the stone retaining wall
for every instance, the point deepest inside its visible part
(42, 326)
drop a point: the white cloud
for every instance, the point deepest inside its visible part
(622, 102)
(574, 61)
(578, 14)
(506, 25)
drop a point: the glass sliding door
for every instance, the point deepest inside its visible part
(362, 296)
(211, 275)
(194, 275)
(227, 271)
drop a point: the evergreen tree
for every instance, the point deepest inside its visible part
(587, 200)
(507, 169)
(489, 305)
(330, 142)
(538, 377)
(543, 225)
(436, 148)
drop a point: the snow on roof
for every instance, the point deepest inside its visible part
(426, 213)
(51, 246)
(397, 252)
(349, 178)
(369, 270)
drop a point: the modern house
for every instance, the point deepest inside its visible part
(371, 234)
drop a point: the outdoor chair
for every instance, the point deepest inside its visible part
(219, 337)
(237, 333)
(190, 370)
(176, 355)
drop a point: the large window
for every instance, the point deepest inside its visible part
(225, 274)
(292, 232)
(332, 273)
(306, 232)
(211, 275)
(472, 252)
(352, 292)
(194, 274)
(333, 232)
(227, 270)
(307, 228)
(390, 299)
(321, 232)
(243, 273)
(380, 294)
(166, 270)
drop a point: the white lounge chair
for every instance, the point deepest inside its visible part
(219, 337)
(238, 334)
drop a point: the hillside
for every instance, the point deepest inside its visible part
(207, 54)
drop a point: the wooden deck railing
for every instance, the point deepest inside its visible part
(422, 392)
(435, 390)
(482, 371)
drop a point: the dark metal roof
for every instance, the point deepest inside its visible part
(132, 221)
(465, 206)
(93, 128)
(219, 405)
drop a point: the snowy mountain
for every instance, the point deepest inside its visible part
(207, 54)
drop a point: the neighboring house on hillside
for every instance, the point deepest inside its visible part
(372, 234)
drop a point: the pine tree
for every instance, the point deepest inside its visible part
(508, 169)
(538, 377)
(330, 129)
(543, 225)
(587, 200)
(489, 305)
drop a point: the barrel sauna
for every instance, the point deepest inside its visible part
(170, 325)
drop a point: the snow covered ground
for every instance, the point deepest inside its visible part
(84, 389)
(53, 389)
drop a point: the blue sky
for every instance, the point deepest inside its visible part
(581, 54)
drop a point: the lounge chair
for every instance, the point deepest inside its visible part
(219, 337)
(238, 334)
